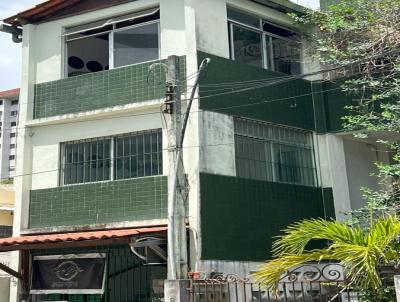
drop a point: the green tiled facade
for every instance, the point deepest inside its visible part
(103, 202)
(317, 106)
(289, 103)
(119, 86)
(240, 217)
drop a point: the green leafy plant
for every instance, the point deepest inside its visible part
(361, 252)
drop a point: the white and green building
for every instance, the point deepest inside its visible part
(93, 141)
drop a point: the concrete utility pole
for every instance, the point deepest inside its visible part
(177, 239)
(177, 242)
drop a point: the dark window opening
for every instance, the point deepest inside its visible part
(106, 44)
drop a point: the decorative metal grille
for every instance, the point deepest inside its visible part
(323, 283)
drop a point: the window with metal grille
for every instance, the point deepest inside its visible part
(5, 231)
(274, 153)
(136, 154)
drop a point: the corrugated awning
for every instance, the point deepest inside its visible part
(79, 239)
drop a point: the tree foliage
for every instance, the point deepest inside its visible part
(361, 40)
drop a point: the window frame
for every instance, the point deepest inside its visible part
(267, 52)
(110, 33)
(112, 159)
(273, 165)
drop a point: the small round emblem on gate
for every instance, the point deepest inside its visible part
(68, 270)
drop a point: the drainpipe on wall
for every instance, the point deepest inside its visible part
(15, 31)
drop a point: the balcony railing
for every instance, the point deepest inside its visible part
(120, 86)
(134, 199)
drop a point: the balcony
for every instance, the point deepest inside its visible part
(119, 86)
(134, 199)
(299, 103)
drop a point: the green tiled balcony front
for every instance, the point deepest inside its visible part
(135, 199)
(120, 86)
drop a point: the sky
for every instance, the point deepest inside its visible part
(10, 52)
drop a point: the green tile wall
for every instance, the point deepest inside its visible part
(289, 103)
(102, 202)
(315, 105)
(91, 91)
(240, 217)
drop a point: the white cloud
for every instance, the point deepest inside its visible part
(10, 52)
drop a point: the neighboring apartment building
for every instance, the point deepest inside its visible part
(93, 143)
(8, 130)
(6, 223)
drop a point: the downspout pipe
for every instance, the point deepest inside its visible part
(15, 31)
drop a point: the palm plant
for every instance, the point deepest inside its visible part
(359, 251)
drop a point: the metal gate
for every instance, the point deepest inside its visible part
(308, 283)
(128, 279)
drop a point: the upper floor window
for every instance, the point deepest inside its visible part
(13, 124)
(274, 153)
(5, 231)
(130, 155)
(115, 42)
(260, 43)
(14, 113)
(14, 102)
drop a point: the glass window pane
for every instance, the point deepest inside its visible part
(247, 46)
(88, 55)
(286, 55)
(136, 45)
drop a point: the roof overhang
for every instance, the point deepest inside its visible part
(49, 8)
(40, 11)
(9, 93)
(79, 239)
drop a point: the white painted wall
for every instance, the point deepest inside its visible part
(333, 172)
(314, 4)
(4, 289)
(217, 136)
(360, 159)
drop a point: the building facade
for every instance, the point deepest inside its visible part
(264, 147)
(9, 128)
(6, 229)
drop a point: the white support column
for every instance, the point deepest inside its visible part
(333, 171)
(24, 152)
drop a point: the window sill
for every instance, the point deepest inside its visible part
(107, 112)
